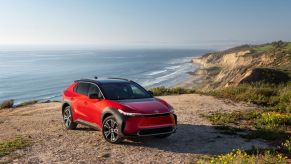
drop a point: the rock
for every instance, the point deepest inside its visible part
(25, 103)
(45, 101)
(7, 104)
(104, 155)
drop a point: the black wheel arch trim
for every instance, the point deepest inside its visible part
(121, 119)
(176, 119)
(65, 103)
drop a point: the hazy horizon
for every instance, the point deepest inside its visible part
(143, 24)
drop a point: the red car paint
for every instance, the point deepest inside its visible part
(152, 112)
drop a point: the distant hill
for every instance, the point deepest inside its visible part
(266, 63)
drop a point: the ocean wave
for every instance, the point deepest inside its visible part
(174, 67)
(182, 69)
(180, 60)
(52, 97)
(156, 72)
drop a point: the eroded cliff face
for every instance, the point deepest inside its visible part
(230, 60)
(240, 65)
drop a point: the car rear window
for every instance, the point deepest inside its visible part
(83, 88)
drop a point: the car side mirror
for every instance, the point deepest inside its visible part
(150, 92)
(95, 96)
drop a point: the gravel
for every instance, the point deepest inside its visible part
(51, 143)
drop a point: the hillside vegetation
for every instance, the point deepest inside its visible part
(260, 75)
(267, 63)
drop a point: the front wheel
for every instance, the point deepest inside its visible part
(110, 130)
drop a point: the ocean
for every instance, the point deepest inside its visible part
(44, 74)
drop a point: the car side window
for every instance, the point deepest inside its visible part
(83, 88)
(94, 90)
(136, 91)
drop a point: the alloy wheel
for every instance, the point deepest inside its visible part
(67, 117)
(110, 130)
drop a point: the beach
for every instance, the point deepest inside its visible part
(196, 77)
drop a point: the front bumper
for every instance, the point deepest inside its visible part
(147, 125)
(156, 131)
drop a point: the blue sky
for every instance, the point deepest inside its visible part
(144, 23)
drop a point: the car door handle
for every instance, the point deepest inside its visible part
(85, 103)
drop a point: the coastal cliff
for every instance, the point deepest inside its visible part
(267, 63)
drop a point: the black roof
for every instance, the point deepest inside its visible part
(105, 81)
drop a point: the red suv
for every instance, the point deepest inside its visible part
(120, 108)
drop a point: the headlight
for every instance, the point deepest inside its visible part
(172, 111)
(128, 114)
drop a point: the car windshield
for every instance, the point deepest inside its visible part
(123, 91)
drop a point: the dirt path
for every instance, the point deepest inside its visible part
(42, 124)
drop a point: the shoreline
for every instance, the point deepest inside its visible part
(192, 80)
(195, 78)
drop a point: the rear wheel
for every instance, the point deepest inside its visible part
(110, 130)
(68, 118)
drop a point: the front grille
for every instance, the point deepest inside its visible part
(154, 131)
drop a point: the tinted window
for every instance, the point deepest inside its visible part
(83, 88)
(121, 91)
(94, 90)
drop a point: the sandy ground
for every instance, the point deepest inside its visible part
(51, 143)
(192, 82)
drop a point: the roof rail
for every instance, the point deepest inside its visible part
(87, 80)
(118, 78)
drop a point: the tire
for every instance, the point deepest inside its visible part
(110, 130)
(68, 119)
(163, 136)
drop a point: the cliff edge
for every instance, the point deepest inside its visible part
(267, 63)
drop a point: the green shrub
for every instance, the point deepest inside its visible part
(285, 147)
(284, 100)
(257, 123)
(162, 91)
(273, 121)
(6, 104)
(241, 157)
(6, 147)
(263, 48)
(277, 97)
(223, 118)
(232, 117)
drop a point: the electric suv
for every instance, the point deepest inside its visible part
(120, 108)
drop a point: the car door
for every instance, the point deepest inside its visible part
(80, 102)
(94, 106)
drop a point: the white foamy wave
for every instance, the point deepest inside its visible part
(174, 67)
(169, 68)
(52, 97)
(156, 72)
(172, 75)
(180, 61)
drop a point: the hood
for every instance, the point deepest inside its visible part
(145, 106)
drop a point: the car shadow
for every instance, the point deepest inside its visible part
(85, 128)
(196, 139)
